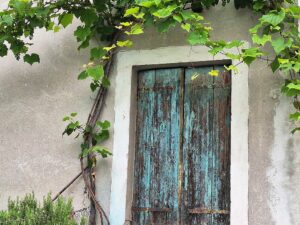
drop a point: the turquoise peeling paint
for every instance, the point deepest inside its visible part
(206, 146)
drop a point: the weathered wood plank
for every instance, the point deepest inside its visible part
(197, 146)
(221, 147)
(156, 163)
(143, 152)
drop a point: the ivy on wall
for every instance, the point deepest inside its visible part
(114, 22)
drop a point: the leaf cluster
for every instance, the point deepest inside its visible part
(99, 134)
(28, 211)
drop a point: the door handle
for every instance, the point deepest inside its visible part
(207, 211)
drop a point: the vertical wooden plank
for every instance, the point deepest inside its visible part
(180, 151)
(198, 144)
(156, 163)
(145, 113)
(221, 147)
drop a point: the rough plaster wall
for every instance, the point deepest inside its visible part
(34, 99)
(284, 172)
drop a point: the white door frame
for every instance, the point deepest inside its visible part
(124, 71)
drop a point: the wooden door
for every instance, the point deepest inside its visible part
(182, 161)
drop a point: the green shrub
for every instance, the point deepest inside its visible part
(28, 211)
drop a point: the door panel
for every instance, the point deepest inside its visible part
(156, 172)
(197, 145)
(221, 148)
(182, 161)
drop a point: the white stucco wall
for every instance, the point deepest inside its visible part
(34, 99)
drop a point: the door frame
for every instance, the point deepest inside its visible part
(127, 65)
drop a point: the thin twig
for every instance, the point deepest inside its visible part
(92, 195)
(68, 185)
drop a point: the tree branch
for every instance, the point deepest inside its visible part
(68, 185)
(91, 122)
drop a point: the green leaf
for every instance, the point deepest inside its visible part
(126, 43)
(21, 6)
(66, 19)
(186, 27)
(81, 33)
(85, 43)
(295, 11)
(97, 53)
(3, 50)
(231, 68)
(273, 18)
(56, 29)
(94, 86)
(283, 61)
(296, 67)
(250, 54)
(33, 58)
(83, 75)
(234, 43)
(66, 118)
(254, 29)
(295, 130)
(289, 92)
(103, 125)
(157, 2)
(165, 12)
(95, 72)
(214, 73)
(295, 116)
(198, 37)
(50, 26)
(258, 5)
(165, 25)
(87, 16)
(104, 152)
(146, 4)
(73, 114)
(285, 64)
(101, 136)
(85, 152)
(293, 86)
(108, 48)
(279, 45)
(190, 15)
(135, 29)
(275, 65)
(195, 76)
(178, 18)
(261, 40)
(105, 82)
(126, 24)
(131, 11)
(7, 19)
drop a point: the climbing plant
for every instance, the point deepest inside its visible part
(115, 21)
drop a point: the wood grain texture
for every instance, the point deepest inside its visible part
(182, 162)
(198, 144)
(156, 167)
(221, 147)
